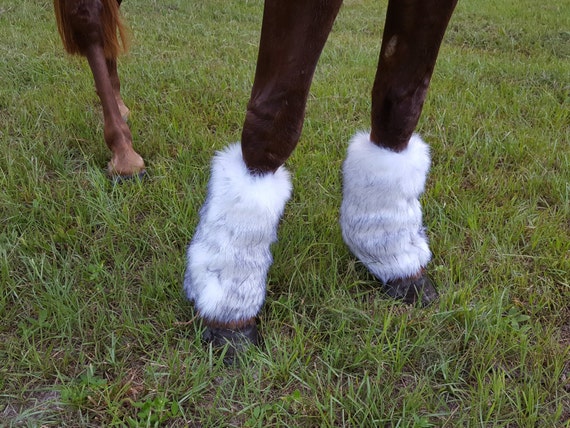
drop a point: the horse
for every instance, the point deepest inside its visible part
(384, 172)
(94, 29)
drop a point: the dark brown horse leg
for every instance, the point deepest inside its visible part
(385, 172)
(229, 256)
(293, 36)
(412, 36)
(84, 17)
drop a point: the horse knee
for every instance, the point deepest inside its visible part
(270, 134)
(395, 117)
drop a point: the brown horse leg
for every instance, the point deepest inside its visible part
(229, 256)
(125, 161)
(391, 162)
(412, 36)
(116, 84)
(292, 38)
(84, 17)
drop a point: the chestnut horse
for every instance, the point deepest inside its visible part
(384, 171)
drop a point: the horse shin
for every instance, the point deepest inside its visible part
(293, 35)
(412, 37)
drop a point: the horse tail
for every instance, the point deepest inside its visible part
(64, 27)
(113, 31)
(115, 34)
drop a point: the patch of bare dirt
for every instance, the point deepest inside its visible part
(41, 409)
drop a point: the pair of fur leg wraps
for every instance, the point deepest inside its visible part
(381, 221)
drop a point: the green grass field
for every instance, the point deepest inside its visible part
(94, 328)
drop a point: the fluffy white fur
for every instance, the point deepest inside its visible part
(381, 216)
(229, 256)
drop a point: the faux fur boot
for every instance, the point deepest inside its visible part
(381, 216)
(229, 255)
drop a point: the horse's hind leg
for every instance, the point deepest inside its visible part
(385, 171)
(82, 26)
(116, 85)
(229, 256)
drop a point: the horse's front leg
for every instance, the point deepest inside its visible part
(86, 27)
(229, 256)
(385, 171)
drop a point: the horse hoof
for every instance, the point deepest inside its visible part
(237, 340)
(120, 179)
(412, 290)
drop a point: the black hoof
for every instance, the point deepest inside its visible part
(120, 179)
(237, 340)
(413, 290)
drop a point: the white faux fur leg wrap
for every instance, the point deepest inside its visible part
(229, 256)
(381, 216)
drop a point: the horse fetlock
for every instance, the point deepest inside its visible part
(125, 160)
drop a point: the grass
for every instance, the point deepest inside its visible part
(95, 330)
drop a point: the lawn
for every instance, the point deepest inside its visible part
(95, 330)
